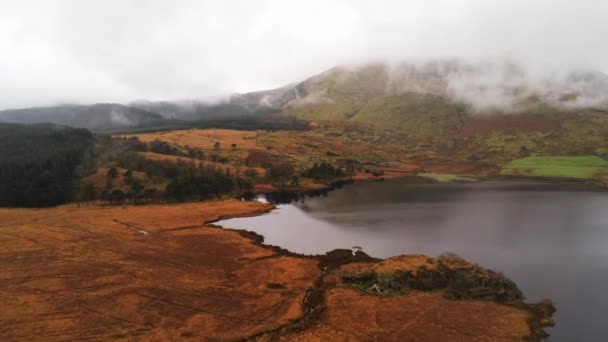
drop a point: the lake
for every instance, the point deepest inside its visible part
(551, 239)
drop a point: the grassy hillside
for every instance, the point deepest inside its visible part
(363, 96)
(558, 166)
(404, 103)
(337, 94)
(550, 132)
(414, 114)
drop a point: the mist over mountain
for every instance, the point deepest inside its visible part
(235, 106)
(490, 86)
(115, 51)
(376, 93)
(507, 87)
(98, 117)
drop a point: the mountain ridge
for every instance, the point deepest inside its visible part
(378, 94)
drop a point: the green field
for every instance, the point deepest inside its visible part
(560, 166)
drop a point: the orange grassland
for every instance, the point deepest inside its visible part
(203, 138)
(85, 273)
(301, 147)
(331, 142)
(162, 272)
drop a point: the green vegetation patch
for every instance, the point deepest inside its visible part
(414, 114)
(445, 177)
(583, 167)
(464, 281)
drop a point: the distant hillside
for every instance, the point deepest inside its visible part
(236, 106)
(193, 110)
(98, 117)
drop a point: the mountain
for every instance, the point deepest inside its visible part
(494, 109)
(97, 117)
(341, 93)
(434, 98)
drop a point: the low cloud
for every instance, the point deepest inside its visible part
(118, 51)
(508, 86)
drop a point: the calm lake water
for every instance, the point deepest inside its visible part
(552, 240)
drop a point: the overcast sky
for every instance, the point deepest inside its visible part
(117, 51)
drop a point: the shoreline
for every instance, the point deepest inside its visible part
(540, 314)
(286, 195)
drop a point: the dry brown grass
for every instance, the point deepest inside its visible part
(417, 316)
(301, 147)
(376, 150)
(404, 263)
(70, 273)
(86, 273)
(99, 179)
(204, 138)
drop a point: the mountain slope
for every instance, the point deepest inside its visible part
(415, 114)
(337, 94)
(98, 117)
(427, 99)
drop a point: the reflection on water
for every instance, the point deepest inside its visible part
(553, 244)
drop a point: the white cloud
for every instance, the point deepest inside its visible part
(122, 50)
